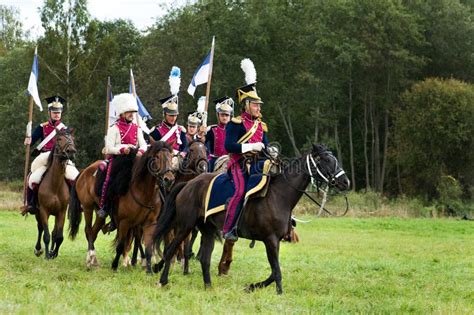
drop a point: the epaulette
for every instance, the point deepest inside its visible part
(265, 127)
(237, 120)
(44, 123)
(183, 129)
(210, 127)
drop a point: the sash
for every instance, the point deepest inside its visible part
(50, 136)
(169, 133)
(249, 134)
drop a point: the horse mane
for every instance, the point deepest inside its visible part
(120, 174)
(140, 169)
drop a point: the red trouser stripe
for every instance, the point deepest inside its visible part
(106, 183)
(239, 184)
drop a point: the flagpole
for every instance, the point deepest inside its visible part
(28, 148)
(208, 88)
(107, 106)
(134, 92)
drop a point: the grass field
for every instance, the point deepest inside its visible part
(376, 265)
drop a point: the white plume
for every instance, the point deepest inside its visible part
(201, 104)
(249, 70)
(175, 80)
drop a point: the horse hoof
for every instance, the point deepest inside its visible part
(249, 288)
(207, 286)
(126, 262)
(53, 255)
(162, 285)
(38, 252)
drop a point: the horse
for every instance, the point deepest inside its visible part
(193, 164)
(53, 195)
(84, 197)
(263, 219)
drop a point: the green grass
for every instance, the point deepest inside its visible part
(374, 265)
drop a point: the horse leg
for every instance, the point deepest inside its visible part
(226, 258)
(136, 244)
(272, 245)
(122, 232)
(169, 253)
(148, 240)
(207, 246)
(188, 252)
(38, 250)
(46, 234)
(58, 234)
(91, 233)
(128, 245)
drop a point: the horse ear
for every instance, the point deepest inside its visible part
(72, 131)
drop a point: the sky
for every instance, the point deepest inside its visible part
(143, 13)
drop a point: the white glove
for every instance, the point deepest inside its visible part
(257, 147)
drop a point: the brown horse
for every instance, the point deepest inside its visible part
(263, 219)
(53, 195)
(153, 166)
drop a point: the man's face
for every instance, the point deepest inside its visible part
(223, 118)
(55, 116)
(192, 130)
(171, 119)
(128, 116)
(254, 109)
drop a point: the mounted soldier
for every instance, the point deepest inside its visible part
(169, 130)
(46, 132)
(215, 138)
(122, 137)
(245, 138)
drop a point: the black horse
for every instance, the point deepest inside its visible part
(263, 219)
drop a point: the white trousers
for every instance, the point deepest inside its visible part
(38, 168)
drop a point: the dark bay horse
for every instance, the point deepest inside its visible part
(141, 195)
(53, 194)
(263, 219)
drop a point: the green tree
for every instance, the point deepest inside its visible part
(435, 135)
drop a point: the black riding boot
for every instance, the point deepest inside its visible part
(31, 200)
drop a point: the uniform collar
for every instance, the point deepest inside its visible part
(247, 116)
(167, 125)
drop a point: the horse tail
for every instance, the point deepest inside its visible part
(167, 215)
(74, 213)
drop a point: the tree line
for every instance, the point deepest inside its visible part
(386, 84)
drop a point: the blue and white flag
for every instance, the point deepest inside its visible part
(142, 111)
(201, 75)
(32, 84)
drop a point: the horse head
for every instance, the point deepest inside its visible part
(158, 158)
(196, 159)
(64, 147)
(324, 166)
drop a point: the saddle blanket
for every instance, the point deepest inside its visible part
(221, 188)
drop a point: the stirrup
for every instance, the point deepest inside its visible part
(102, 213)
(231, 235)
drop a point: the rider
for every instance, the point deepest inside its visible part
(123, 136)
(168, 130)
(215, 138)
(46, 133)
(245, 138)
(194, 122)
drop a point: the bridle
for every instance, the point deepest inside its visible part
(315, 171)
(193, 168)
(159, 180)
(62, 152)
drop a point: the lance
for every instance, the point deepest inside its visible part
(27, 148)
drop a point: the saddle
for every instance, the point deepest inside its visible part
(221, 188)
